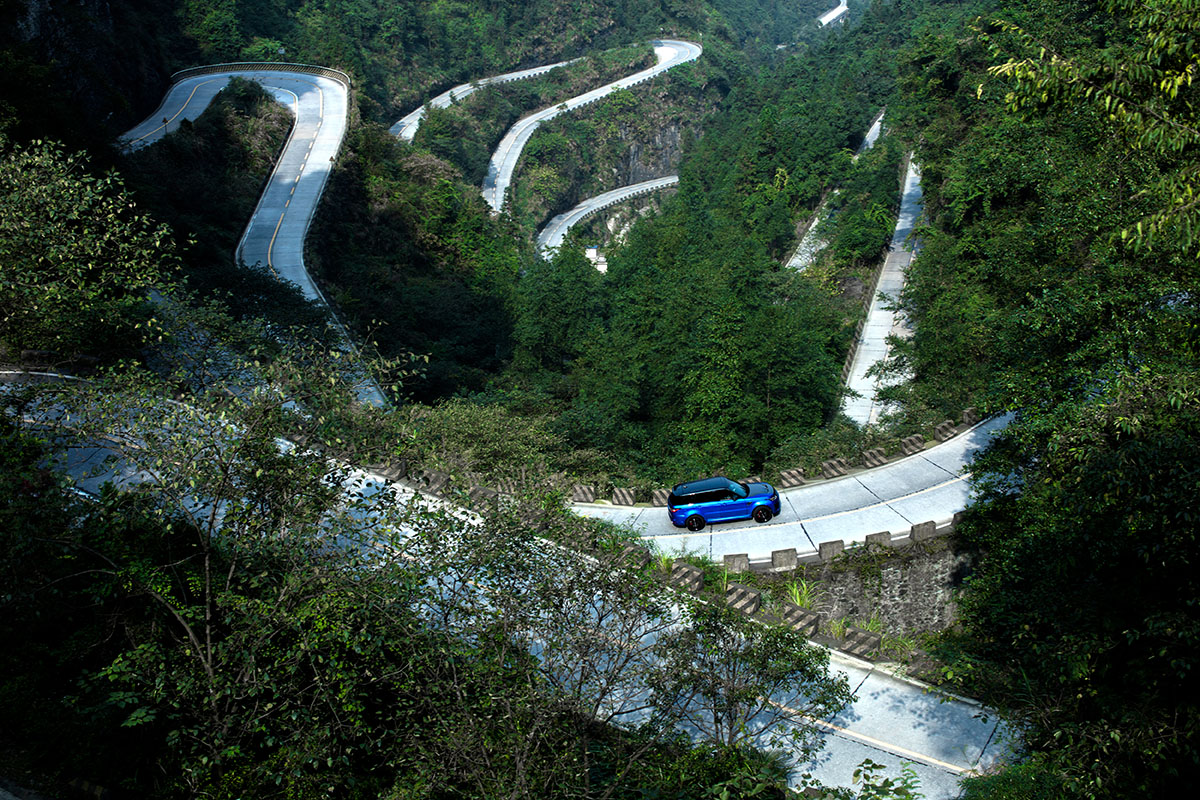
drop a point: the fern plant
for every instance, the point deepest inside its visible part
(803, 593)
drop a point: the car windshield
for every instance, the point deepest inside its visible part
(740, 489)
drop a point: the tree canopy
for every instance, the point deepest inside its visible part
(1058, 280)
(77, 262)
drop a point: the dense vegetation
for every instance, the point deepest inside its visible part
(407, 252)
(696, 351)
(235, 654)
(1058, 280)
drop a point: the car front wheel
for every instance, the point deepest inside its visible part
(695, 522)
(762, 514)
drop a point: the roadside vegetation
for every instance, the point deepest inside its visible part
(1058, 280)
(236, 655)
(223, 648)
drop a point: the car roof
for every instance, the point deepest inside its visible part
(707, 484)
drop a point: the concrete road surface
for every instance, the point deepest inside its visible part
(883, 322)
(551, 236)
(274, 237)
(504, 161)
(931, 485)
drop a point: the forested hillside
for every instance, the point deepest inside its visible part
(1058, 279)
(697, 349)
(165, 652)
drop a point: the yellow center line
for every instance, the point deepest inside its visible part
(271, 246)
(282, 214)
(195, 89)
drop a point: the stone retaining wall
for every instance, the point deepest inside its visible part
(905, 583)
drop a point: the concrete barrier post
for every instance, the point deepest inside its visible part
(687, 577)
(790, 478)
(830, 550)
(435, 482)
(743, 598)
(861, 643)
(737, 563)
(800, 619)
(635, 556)
(875, 457)
(923, 531)
(481, 494)
(784, 559)
(945, 430)
(834, 467)
(881, 539)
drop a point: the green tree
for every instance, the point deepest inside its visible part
(1080, 622)
(288, 624)
(1108, 485)
(737, 682)
(558, 308)
(1144, 80)
(77, 262)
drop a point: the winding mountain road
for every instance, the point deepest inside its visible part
(274, 237)
(882, 322)
(670, 53)
(893, 722)
(406, 128)
(551, 236)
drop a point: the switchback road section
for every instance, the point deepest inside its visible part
(274, 237)
(670, 54)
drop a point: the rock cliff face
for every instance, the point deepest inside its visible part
(104, 63)
(655, 157)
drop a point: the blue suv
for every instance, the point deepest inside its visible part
(698, 503)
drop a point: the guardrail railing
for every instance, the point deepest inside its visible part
(277, 66)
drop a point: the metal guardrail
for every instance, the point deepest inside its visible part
(275, 66)
(640, 192)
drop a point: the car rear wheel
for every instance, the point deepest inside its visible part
(695, 522)
(762, 514)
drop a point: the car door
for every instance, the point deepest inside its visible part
(710, 505)
(736, 506)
